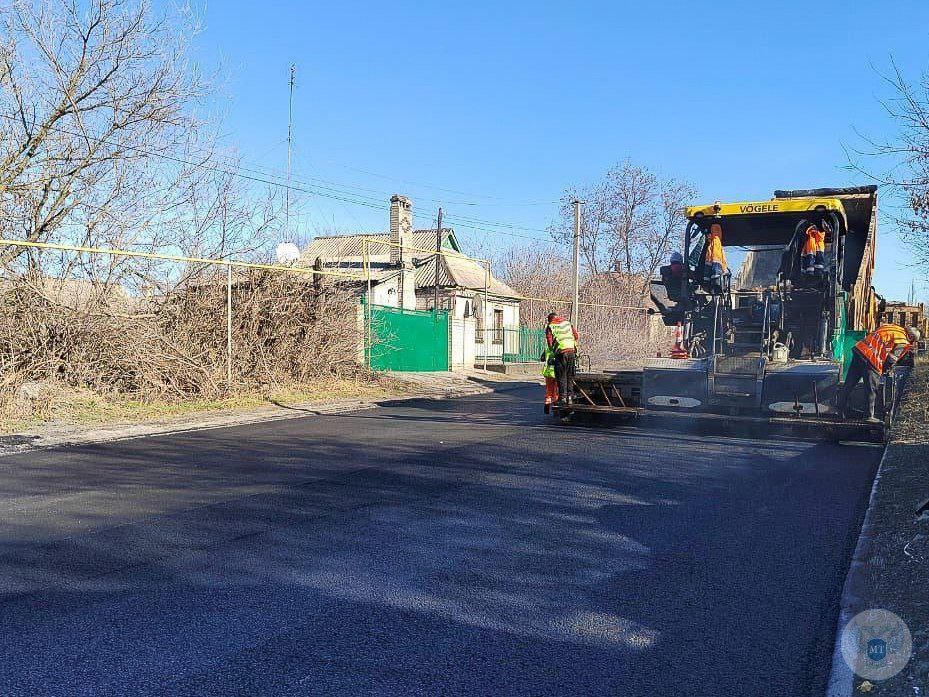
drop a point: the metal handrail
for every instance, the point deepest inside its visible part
(765, 326)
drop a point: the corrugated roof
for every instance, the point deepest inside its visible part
(462, 273)
(347, 249)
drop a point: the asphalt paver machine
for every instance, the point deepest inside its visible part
(769, 340)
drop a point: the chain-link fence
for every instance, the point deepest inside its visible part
(611, 334)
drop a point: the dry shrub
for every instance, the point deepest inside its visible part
(609, 335)
(286, 330)
(613, 336)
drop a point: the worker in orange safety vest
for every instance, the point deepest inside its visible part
(874, 356)
(813, 255)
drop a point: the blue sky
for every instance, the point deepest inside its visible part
(494, 108)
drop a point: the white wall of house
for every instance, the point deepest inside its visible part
(461, 348)
(496, 314)
(407, 287)
(463, 305)
(386, 293)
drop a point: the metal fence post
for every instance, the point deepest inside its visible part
(366, 253)
(484, 309)
(229, 327)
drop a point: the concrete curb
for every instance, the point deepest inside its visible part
(207, 422)
(841, 677)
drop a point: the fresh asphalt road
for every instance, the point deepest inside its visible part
(459, 547)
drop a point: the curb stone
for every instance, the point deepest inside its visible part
(841, 677)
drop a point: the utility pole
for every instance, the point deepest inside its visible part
(290, 139)
(438, 255)
(229, 327)
(575, 309)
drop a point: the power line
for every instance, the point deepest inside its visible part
(491, 223)
(315, 190)
(500, 202)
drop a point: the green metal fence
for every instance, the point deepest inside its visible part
(407, 340)
(509, 345)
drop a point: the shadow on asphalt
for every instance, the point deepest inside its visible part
(369, 556)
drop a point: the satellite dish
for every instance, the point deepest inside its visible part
(287, 253)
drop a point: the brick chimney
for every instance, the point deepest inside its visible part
(401, 228)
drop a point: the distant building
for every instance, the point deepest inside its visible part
(906, 315)
(402, 263)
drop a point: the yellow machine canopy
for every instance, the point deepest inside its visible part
(771, 222)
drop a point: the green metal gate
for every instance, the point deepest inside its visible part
(523, 345)
(405, 340)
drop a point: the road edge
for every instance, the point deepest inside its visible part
(841, 677)
(123, 432)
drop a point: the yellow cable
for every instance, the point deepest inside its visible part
(174, 257)
(275, 267)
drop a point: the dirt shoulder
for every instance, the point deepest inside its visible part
(86, 418)
(891, 568)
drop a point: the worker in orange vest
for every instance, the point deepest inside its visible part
(814, 251)
(872, 357)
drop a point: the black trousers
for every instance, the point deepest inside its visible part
(565, 368)
(861, 371)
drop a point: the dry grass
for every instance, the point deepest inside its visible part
(78, 407)
(105, 359)
(914, 406)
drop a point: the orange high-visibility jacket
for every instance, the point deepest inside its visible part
(820, 237)
(878, 345)
(815, 240)
(714, 247)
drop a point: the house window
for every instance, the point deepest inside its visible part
(498, 326)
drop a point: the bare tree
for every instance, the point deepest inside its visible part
(905, 158)
(538, 271)
(99, 145)
(90, 91)
(631, 221)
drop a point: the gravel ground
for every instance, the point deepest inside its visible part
(895, 575)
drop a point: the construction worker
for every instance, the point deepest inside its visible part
(813, 255)
(874, 356)
(562, 338)
(716, 266)
(551, 382)
(676, 267)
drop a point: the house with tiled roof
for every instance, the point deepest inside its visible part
(405, 269)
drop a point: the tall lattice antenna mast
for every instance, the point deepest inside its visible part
(290, 139)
